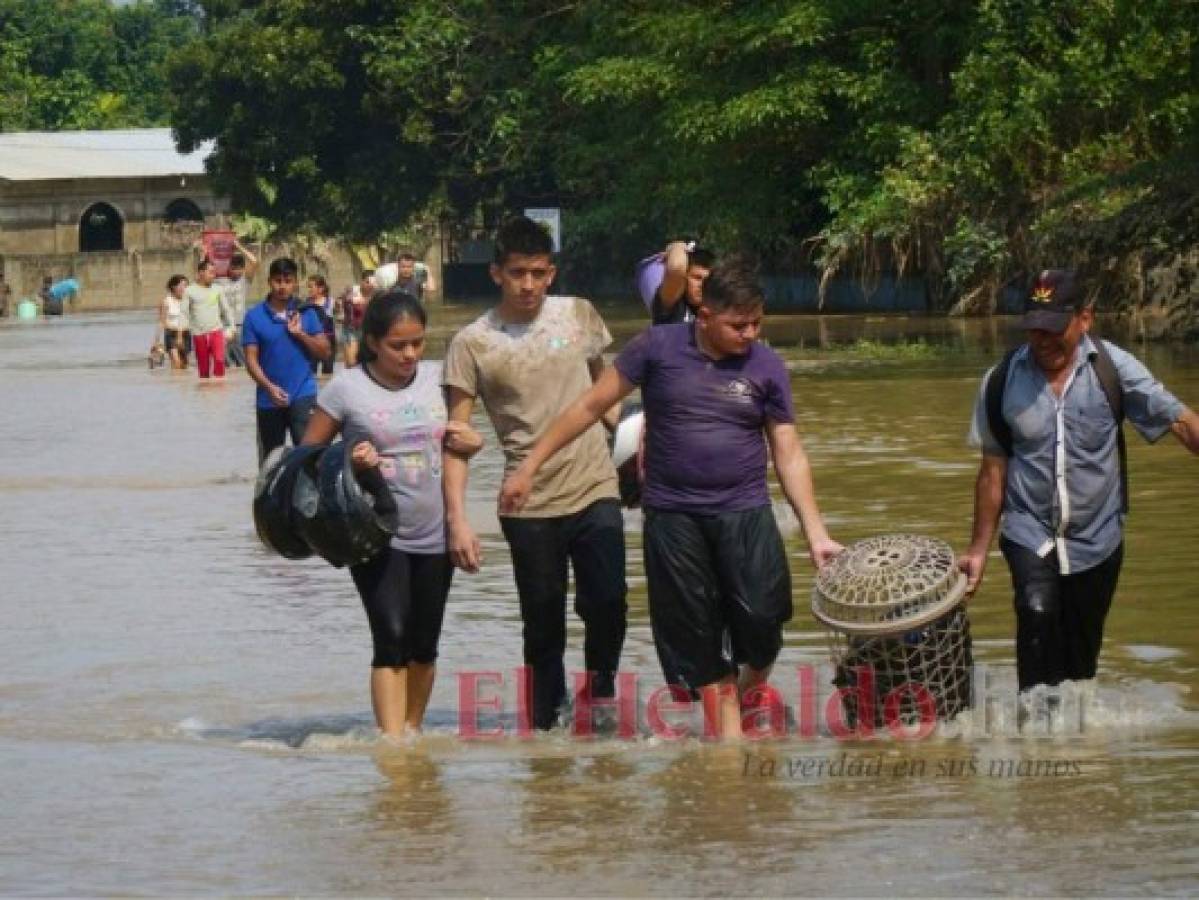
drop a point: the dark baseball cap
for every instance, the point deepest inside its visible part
(1052, 302)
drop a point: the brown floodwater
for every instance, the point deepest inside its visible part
(182, 712)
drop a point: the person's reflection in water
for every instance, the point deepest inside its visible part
(413, 803)
(708, 798)
(573, 798)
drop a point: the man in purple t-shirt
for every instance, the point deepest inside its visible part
(715, 399)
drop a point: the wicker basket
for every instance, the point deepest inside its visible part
(898, 630)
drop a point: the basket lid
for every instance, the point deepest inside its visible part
(888, 584)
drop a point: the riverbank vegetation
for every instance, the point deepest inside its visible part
(903, 350)
(967, 143)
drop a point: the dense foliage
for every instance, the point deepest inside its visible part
(967, 142)
(71, 64)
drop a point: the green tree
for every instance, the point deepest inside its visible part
(968, 142)
(355, 117)
(1066, 116)
(69, 64)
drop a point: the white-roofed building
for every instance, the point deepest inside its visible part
(85, 191)
(121, 212)
(103, 205)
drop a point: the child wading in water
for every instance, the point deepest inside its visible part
(391, 411)
(172, 321)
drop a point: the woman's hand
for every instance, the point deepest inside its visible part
(463, 545)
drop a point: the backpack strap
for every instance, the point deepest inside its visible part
(993, 398)
(1109, 380)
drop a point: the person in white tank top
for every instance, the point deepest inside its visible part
(173, 325)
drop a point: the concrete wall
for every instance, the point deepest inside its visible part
(114, 280)
(43, 217)
(137, 279)
(39, 236)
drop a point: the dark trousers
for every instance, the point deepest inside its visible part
(275, 424)
(1059, 618)
(404, 595)
(326, 365)
(592, 541)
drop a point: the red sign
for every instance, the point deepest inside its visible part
(219, 247)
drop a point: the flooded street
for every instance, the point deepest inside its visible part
(182, 712)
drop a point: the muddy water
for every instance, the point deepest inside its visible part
(181, 712)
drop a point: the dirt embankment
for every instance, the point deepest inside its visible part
(1158, 292)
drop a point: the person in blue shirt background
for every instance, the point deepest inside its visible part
(1051, 465)
(280, 343)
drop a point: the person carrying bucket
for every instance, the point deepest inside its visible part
(671, 282)
(205, 308)
(1048, 420)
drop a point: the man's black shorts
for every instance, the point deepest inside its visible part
(170, 341)
(710, 574)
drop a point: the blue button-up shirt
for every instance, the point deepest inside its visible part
(1063, 478)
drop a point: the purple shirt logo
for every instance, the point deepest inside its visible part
(739, 390)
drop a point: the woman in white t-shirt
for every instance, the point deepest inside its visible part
(173, 324)
(391, 410)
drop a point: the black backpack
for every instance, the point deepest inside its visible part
(1109, 380)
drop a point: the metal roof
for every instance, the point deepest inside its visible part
(131, 153)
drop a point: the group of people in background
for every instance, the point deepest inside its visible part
(205, 316)
(718, 412)
(407, 274)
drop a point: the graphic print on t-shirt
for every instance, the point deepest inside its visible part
(740, 390)
(406, 427)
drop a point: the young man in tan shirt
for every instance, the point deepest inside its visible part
(527, 360)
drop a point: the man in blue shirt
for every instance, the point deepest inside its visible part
(1054, 473)
(280, 343)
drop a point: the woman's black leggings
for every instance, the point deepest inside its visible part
(404, 595)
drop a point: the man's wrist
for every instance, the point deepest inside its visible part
(978, 548)
(816, 537)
